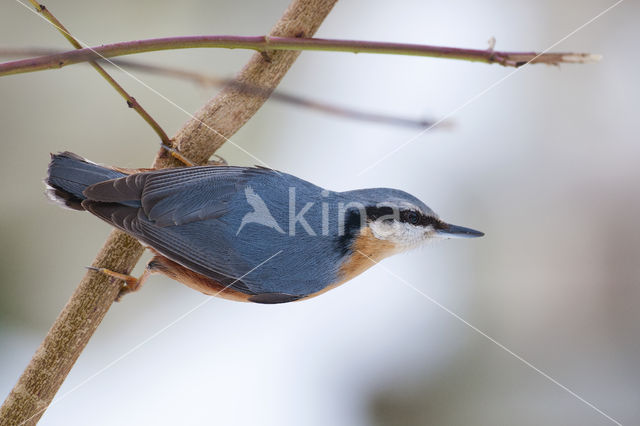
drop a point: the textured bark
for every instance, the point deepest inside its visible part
(226, 112)
(69, 334)
(233, 107)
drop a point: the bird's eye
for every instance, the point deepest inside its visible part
(413, 218)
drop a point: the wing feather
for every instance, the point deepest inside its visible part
(192, 216)
(171, 210)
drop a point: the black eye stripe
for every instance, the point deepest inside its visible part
(406, 216)
(374, 213)
(410, 216)
(419, 219)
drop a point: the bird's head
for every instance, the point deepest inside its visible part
(398, 219)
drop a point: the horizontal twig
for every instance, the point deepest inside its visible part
(208, 80)
(266, 43)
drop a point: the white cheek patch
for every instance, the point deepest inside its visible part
(403, 235)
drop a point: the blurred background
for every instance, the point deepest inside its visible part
(546, 163)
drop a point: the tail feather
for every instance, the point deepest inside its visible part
(69, 175)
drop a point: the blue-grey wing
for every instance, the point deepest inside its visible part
(177, 196)
(198, 217)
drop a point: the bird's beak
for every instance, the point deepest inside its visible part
(455, 231)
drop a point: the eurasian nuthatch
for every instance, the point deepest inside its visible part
(247, 233)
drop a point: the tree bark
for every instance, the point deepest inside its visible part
(229, 110)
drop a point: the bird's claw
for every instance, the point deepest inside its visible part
(218, 161)
(129, 284)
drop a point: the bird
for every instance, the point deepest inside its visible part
(261, 213)
(250, 234)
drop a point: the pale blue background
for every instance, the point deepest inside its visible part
(546, 164)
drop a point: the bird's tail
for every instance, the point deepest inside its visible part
(69, 175)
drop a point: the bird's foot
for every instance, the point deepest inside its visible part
(218, 161)
(130, 283)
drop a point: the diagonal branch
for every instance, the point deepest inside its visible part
(275, 43)
(227, 112)
(131, 101)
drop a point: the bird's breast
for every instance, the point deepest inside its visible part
(365, 251)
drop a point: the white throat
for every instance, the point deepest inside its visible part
(403, 235)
